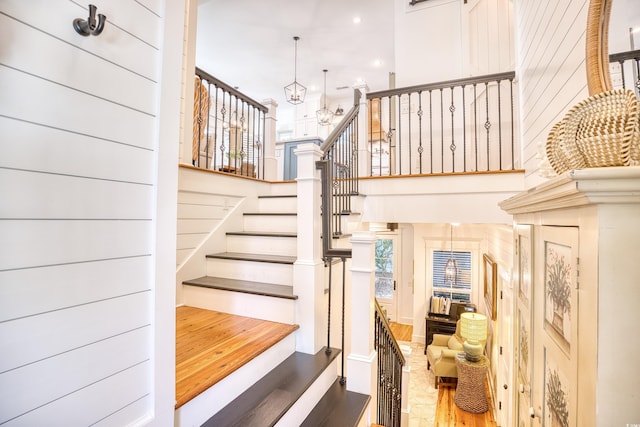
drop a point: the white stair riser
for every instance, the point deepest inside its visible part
(262, 245)
(278, 204)
(206, 404)
(266, 272)
(241, 304)
(305, 404)
(281, 223)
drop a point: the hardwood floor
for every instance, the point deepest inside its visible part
(447, 413)
(401, 332)
(211, 345)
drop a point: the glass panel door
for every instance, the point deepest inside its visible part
(385, 283)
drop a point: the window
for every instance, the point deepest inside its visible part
(460, 289)
(384, 268)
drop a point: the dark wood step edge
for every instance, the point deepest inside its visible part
(275, 259)
(243, 286)
(276, 196)
(267, 400)
(261, 233)
(338, 406)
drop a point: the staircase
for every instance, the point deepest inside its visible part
(254, 278)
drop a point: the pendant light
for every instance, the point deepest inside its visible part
(451, 267)
(324, 115)
(295, 92)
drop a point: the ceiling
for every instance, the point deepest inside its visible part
(249, 44)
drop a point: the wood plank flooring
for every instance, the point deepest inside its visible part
(449, 415)
(211, 345)
(401, 332)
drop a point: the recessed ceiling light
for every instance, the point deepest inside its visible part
(356, 20)
(377, 63)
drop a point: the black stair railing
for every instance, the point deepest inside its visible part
(228, 128)
(463, 125)
(339, 181)
(390, 363)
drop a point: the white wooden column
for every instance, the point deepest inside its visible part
(364, 158)
(308, 270)
(361, 362)
(269, 143)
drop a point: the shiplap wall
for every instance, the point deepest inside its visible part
(551, 68)
(77, 175)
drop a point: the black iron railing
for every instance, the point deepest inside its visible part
(390, 363)
(339, 176)
(462, 125)
(625, 70)
(339, 180)
(228, 128)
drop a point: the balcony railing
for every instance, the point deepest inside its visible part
(464, 125)
(228, 129)
(624, 68)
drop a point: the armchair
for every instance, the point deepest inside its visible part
(441, 354)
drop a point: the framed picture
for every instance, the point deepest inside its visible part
(524, 263)
(490, 285)
(560, 255)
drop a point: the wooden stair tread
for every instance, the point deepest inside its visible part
(277, 259)
(338, 407)
(244, 286)
(210, 345)
(261, 233)
(265, 402)
(276, 196)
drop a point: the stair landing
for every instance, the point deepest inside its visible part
(211, 345)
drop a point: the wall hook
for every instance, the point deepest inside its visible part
(89, 27)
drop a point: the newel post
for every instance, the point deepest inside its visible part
(364, 156)
(361, 362)
(308, 270)
(270, 162)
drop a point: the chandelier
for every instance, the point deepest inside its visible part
(451, 267)
(295, 92)
(324, 115)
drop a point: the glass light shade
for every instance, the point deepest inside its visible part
(325, 116)
(451, 271)
(473, 328)
(295, 93)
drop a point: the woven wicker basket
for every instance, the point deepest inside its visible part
(603, 130)
(606, 127)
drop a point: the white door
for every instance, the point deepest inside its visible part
(487, 38)
(386, 260)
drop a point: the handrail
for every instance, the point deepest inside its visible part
(230, 89)
(623, 56)
(447, 84)
(344, 123)
(338, 158)
(396, 346)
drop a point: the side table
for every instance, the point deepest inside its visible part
(471, 395)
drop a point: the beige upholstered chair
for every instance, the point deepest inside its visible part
(441, 354)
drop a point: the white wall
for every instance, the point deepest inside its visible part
(550, 38)
(85, 185)
(428, 44)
